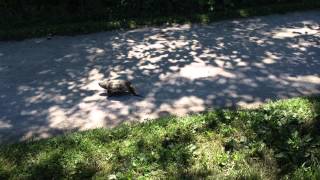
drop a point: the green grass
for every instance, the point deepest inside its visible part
(278, 140)
(40, 28)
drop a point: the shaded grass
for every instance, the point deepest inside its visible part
(278, 140)
(40, 28)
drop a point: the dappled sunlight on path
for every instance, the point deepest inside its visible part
(51, 87)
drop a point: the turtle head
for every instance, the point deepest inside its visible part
(104, 84)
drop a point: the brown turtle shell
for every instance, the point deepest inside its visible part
(115, 87)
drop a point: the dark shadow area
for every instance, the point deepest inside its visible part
(51, 87)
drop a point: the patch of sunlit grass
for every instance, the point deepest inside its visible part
(243, 13)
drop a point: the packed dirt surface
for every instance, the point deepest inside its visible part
(50, 87)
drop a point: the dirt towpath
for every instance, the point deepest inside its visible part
(49, 87)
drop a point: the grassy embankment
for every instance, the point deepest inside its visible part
(278, 140)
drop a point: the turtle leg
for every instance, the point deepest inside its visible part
(109, 93)
(131, 89)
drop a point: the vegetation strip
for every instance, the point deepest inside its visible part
(278, 140)
(16, 31)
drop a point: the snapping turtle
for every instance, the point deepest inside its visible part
(118, 87)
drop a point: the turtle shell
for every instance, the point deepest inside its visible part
(117, 86)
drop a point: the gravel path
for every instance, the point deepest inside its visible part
(50, 87)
